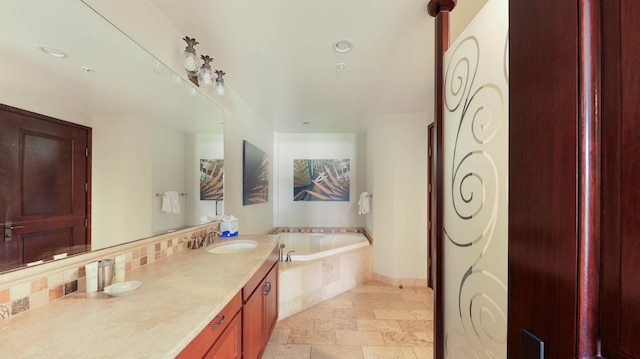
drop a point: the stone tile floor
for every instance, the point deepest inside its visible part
(374, 320)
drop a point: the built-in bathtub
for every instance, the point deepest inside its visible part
(323, 266)
(310, 246)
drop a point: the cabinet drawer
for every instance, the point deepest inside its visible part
(257, 278)
(201, 344)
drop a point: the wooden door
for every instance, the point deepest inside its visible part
(229, 345)
(620, 293)
(44, 187)
(430, 169)
(270, 303)
(253, 324)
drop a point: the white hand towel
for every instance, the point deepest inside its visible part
(364, 204)
(175, 201)
(166, 203)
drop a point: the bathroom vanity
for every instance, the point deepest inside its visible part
(170, 314)
(246, 323)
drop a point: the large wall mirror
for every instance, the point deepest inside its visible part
(150, 128)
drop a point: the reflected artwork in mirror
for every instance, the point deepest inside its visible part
(149, 127)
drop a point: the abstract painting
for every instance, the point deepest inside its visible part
(321, 180)
(255, 175)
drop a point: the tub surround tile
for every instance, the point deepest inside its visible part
(322, 279)
(330, 270)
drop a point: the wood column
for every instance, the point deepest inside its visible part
(589, 174)
(440, 10)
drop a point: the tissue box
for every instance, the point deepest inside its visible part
(229, 228)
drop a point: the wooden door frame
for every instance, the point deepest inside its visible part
(440, 10)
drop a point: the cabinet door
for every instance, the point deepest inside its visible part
(219, 333)
(252, 324)
(229, 345)
(270, 303)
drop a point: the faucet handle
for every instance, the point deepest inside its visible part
(289, 256)
(196, 243)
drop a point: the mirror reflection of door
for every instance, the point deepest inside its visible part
(44, 187)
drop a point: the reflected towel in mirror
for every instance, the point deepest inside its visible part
(170, 202)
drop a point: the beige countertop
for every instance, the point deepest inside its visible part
(178, 297)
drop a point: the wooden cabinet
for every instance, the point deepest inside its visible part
(243, 327)
(260, 297)
(222, 338)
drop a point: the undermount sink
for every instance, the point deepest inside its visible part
(236, 246)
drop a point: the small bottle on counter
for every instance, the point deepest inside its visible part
(120, 269)
(91, 276)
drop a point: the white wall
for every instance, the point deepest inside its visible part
(397, 145)
(241, 123)
(319, 146)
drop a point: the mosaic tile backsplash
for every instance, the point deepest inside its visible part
(19, 298)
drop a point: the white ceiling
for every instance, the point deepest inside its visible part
(279, 57)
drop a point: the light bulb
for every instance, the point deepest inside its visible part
(190, 62)
(220, 89)
(206, 77)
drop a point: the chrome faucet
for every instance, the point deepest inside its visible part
(204, 240)
(208, 238)
(289, 256)
(281, 252)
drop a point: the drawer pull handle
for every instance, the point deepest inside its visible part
(219, 322)
(267, 288)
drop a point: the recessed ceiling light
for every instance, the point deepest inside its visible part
(53, 51)
(343, 46)
(87, 70)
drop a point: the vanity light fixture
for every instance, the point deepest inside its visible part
(201, 73)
